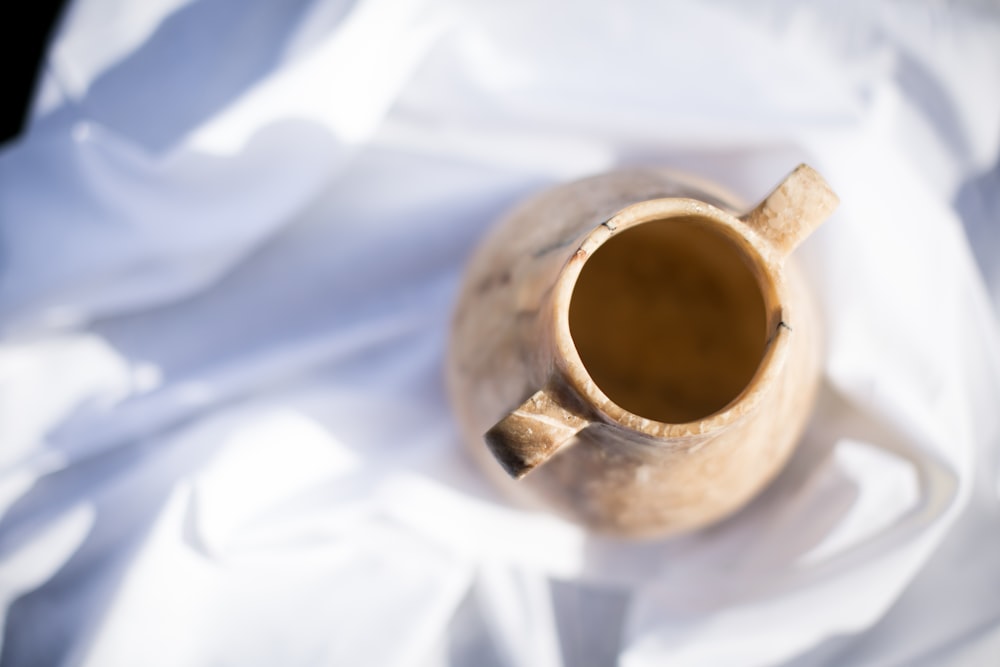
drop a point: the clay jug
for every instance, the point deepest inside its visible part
(635, 353)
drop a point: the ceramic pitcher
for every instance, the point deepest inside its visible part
(637, 354)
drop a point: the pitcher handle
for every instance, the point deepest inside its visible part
(533, 432)
(795, 208)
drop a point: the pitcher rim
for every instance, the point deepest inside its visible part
(766, 265)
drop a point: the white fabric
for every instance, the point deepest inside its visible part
(232, 236)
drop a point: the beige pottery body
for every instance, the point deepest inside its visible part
(629, 353)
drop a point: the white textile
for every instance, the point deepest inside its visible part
(231, 240)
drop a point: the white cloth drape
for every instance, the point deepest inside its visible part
(231, 238)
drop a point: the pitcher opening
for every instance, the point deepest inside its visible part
(669, 319)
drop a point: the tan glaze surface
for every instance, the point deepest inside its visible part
(648, 357)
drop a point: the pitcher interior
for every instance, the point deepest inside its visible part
(669, 319)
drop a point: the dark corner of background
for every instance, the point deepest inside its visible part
(25, 30)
